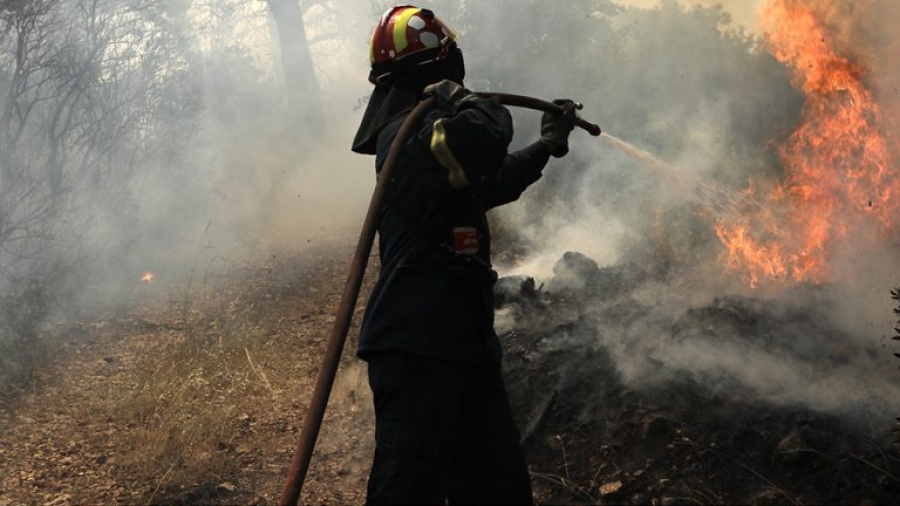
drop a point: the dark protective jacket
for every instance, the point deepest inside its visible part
(434, 293)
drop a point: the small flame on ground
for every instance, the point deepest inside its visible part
(147, 277)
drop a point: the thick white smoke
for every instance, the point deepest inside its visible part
(674, 82)
(678, 79)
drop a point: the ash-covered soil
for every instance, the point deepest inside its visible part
(193, 392)
(620, 404)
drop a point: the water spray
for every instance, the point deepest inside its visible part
(720, 201)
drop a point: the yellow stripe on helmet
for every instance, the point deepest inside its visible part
(400, 24)
(445, 157)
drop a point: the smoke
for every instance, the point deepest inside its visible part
(677, 80)
(174, 151)
(744, 13)
(691, 82)
(788, 350)
(669, 81)
(881, 41)
(224, 169)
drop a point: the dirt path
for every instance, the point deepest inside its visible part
(193, 398)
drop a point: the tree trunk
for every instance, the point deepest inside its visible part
(297, 65)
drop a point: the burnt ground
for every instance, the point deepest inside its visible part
(693, 436)
(194, 389)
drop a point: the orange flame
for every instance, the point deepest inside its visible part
(147, 277)
(837, 171)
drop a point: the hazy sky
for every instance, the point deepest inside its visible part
(743, 12)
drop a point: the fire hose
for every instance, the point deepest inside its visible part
(325, 381)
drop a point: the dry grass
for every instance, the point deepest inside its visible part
(193, 405)
(187, 417)
(193, 393)
(219, 408)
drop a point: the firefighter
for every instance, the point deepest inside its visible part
(444, 429)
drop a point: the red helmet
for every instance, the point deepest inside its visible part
(407, 36)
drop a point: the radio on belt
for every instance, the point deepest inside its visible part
(465, 240)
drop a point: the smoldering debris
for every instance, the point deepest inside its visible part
(780, 351)
(611, 366)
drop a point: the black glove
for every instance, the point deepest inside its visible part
(555, 128)
(448, 94)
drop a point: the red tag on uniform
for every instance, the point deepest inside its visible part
(465, 240)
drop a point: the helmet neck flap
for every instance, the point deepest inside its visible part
(400, 77)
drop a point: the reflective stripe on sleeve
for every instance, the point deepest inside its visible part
(441, 151)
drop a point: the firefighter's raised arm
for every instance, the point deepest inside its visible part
(468, 135)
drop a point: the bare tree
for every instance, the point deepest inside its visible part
(83, 88)
(296, 60)
(26, 79)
